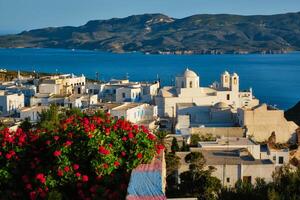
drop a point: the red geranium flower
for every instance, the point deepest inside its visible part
(139, 155)
(67, 168)
(116, 163)
(105, 165)
(57, 153)
(104, 151)
(28, 186)
(85, 178)
(56, 137)
(41, 177)
(77, 174)
(130, 135)
(68, 143)
(75, 167)
(60, 173)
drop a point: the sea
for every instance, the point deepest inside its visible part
(274, 78)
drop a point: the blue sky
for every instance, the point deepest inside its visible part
(18, 15)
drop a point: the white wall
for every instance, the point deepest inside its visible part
(11, 102)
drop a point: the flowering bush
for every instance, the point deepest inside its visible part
(87, 157)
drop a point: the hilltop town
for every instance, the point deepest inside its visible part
(236, 134)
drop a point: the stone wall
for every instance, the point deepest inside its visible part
(219, 131)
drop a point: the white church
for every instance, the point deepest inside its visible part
(188, 90)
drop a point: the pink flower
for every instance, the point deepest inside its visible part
(85, 178)
(57, 153)
(56, 137)
(124, 138)
(75, 166)
(77, 174)
(123, 153)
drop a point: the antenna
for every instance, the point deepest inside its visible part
(97, 76)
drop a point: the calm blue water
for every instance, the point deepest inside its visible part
(275, 79)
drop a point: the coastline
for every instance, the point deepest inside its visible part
(175, 52)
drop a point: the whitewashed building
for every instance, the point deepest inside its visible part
(32, 113)
(63, 84)
(188, 90)
(124, 91)
(10, 103)
(138, 113)
(236, 158)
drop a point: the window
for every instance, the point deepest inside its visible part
(226, 79)
(228, 97)
(123, 95)
(274, 158)
(228, 180)
(182, 84)
(191, 84)
(280, 160)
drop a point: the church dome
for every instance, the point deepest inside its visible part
(221, 105)
(189, 73)
(226, 73)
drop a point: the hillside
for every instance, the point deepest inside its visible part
(157, 33)
(293, 114)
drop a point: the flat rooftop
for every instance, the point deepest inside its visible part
(127, 106)
(108, 106)
(228, 141)
(184, 105)
(225, 157)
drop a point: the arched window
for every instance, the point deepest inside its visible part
(234, 81)
(182, 84)
(191, 84)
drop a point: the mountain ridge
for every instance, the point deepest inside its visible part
(159, 33)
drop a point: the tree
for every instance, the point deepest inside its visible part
(185, 147)
(26, 125)
(174, 146)
(49, 119)
(198, 182)
(195, 160)
(172, 162)
(285, 185)
(160, 135)
(194, 140)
